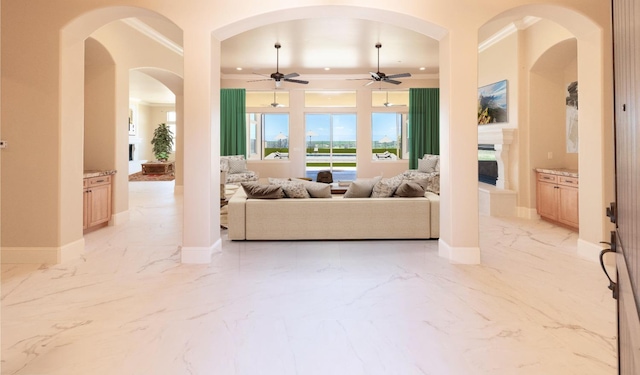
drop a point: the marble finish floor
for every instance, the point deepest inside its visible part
(331, 308)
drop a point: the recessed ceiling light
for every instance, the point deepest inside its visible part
(238, 68)
(422, 68)
(327, 68)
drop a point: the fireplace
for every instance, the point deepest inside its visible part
(500, 139)
(487, 164)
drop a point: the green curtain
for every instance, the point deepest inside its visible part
(233, 122)
(424, 124)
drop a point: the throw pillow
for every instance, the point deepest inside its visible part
(386, 187)
(255, 190)
(316, 189)
(224, 161)
(237, 166)
(362, 187)
(409, 189)
(427, 165)
(436, 167)
(292, 189)
(431, 183)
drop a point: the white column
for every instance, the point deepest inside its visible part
(459, 237)
(201, 231)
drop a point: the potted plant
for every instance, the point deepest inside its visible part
(162, 142)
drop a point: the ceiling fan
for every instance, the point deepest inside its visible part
(275, 103)
(388, 104)
(279, 77)
(381, 77)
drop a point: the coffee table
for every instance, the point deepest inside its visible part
(157, 168)
(337, 189)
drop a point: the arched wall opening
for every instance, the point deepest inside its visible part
(174, 83)
(585, 40)
(112, 151)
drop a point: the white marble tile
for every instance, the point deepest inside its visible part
(307, 307)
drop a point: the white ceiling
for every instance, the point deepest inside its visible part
(345, 45)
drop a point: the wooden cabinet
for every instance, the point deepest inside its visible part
(97, 202)
(557, 198)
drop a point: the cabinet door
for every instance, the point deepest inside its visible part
(568, 205)
(99, 204)
(547, 200)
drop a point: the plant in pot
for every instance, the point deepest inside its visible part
(162, 142)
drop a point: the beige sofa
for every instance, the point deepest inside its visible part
(337, 218)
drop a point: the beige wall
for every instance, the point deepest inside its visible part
(99, 108)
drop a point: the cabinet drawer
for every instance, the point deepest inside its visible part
(568, 181)
(547, 177)
(96, 181)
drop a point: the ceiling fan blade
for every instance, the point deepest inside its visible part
(392, 81)
(375, 75)
(260, 80)
(296, 81)
(399, 75)
(368, 83)
(291, 75)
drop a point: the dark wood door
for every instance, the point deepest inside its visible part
(626, 31)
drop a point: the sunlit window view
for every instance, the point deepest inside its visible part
(331, 145)
(267, 136)
(389, 136)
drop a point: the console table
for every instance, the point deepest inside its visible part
(157, 167)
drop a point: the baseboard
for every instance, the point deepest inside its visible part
(119, 218)
(462, 255)
(200, 255)
(43, 255)
(528, 213)
(589, 250)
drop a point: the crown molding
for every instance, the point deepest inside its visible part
(153, 34)
(506, 31)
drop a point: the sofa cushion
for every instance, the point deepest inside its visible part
(262, 191)
(362, 187)
(427, 165)
(430, 183)
(237, 166)
(386, 187)
(292, 189)
(316, 189)
(224, 161)
(409, 189)
(436, 167)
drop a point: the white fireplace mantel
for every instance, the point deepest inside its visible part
(501, 138)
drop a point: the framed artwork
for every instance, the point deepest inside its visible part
(492, 103)
(132, 126)
(572, 117)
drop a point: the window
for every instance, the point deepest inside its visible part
(274, 99)
(267, 136)
(171, 123)
(389, 132)
(330, 99)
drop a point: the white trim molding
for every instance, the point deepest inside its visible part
(460, 255)
(43, 255)
(200, 255)
(589, 250)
